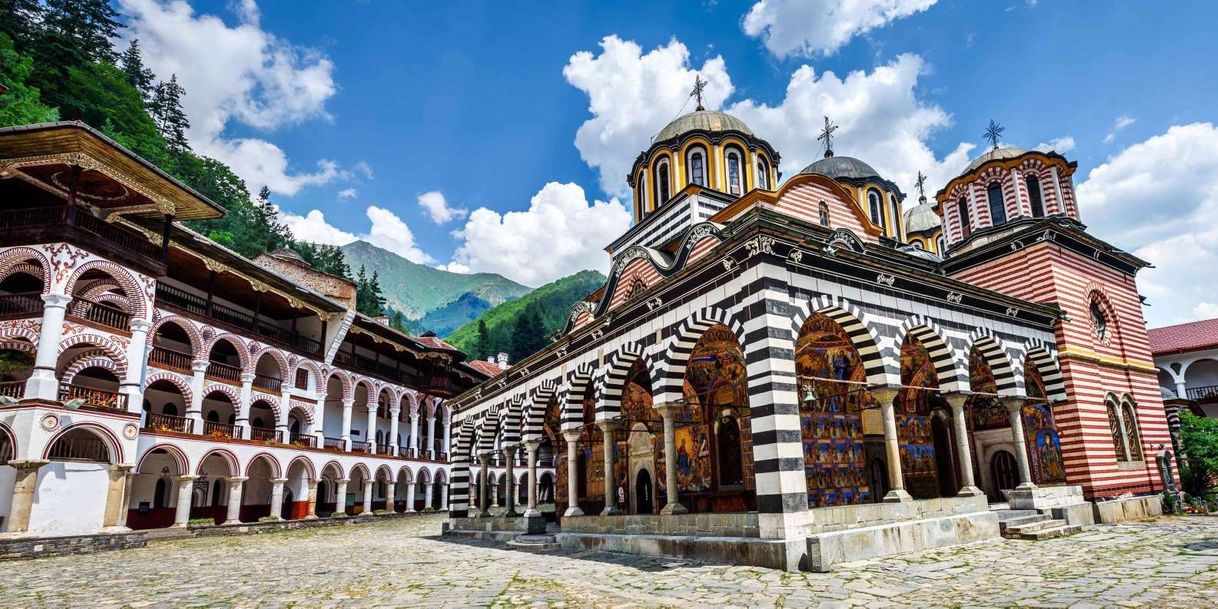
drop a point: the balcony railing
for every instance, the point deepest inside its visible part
(168, 422)
(13, 389)
(382, 449)
(269, 383)
(21, 304)
(333, 443)
(302, 439)
(262, 434)
(234, 319)
(219, 430)
(21, 222)
(100, 313)
(169, 358)
(96, 398)
(224, 372)
(1201, 393)
(359, 446)
(79, 448)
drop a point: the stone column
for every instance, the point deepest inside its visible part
(24, 485)
(367, 497)
(348, 405)
(968, 486)
(427, 496)
(125, 506)
(572, 474)
(892, 445)
(185, 493)
(509, 455)
(243, 409)
(136, 360)
(669, 412)
(312, 513)
(194, 410)
(410, 497)
(444, 497)
(393, 431)
(277, 497)
(42, 383)
(607, 429)
(484, 487)
(285, 408)
(431, 436)
(340, 495)
(236, 485)
(494, 494)
(1015, 414)
(531, 449)
(371, 432)
(448, 447)
(116, 493)
(413, 441)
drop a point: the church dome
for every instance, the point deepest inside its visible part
(922, 218)
(838, 167)
(995, 154)
(702, 120)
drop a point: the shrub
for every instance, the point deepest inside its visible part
(1199, 454)
(200, 522)
(269, 519)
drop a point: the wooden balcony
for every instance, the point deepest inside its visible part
(1208, 392)
(359, 446)
(93, 398)
(30, 226)
(224, 372)
(234, 320)
(268, 383)
(332, 443)
(168, 422)
(13, 389)
(100, 314)
(219, 430)
(21, 305)
(169, 358)
(302, 439)
(262, 434)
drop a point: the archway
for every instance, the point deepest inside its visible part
(268, 373)
(100, 300)
(91, 375)
(256, 499)
(295, 501)
(225, 361)
(916, 400)
(355, 490)
(154, 489)
(332, 412)
(401, 491)
(328, 500)
(219, 412)
(262, 419)
(77, 474)
(643, 493)
(172, 347)
(218, 468)
(1004, 471)
(165, 406)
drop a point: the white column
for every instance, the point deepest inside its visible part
(892, 446)
(194, 410)
(509, 455)
(1181, 390)
(531, 449)
(431, 436)
(1015, 414)
(367, 497)
(42, 383)
(243, 409)
(427, 496)
(448, 446)
(285, 408)
(443, 497)
(410, 497)
(277, 496)
(136, 361)
(968, 487)
(312, 513)
(348, 405)
(413, 441)
(235, 488)
(185, 492)
(671, 488)
(607, 429)
(25, 482)
(495, 494)
(393, 431)
(370, 434)
(340, 495)
(572, 475)
(114, 518)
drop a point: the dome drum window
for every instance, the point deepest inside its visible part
(663, 183)
(998, 209)
(697, 167)
(735, 179)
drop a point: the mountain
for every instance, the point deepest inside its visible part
(549, 305)
(455, 314)
(418, 290)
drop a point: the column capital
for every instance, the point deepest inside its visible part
(237, 479)
(247, 377)
(532, 446)
(122, 467)
(572, 435)
(509, 450)
(27, 463)
(668, 409)
(342, 480)
(278, 480)
(56, 300)
(188, 478)
(956, 399)
(1013, 402)
(608, 425)
(349, 403)
(140, 325)
(200, 365)
(885, 394)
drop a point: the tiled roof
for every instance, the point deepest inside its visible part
(485, 367)
(1184, 337)
(434, 343)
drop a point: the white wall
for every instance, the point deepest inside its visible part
(70, 498)
(8, 476)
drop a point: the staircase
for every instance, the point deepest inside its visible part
(534, 543)
(1031, 525)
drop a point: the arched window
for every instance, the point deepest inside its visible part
(998, 209)
(159, 493)
(217, 493)
(1099, 321)
(1038, 205)
(735, 179)
(824, 214)
(895, 211)
(663, 183)
(939, 246)
(875, 207)
(171, 409)
(642, 211)
(966, 227)
(697, 167)
(763, 174)
(1133, 438)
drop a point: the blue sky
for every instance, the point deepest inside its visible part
(451, 132)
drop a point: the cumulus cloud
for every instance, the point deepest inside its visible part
(314, 228)
(438, 209)
(1060, 145)
(236, 74)
(798, 27)
(386, 230)
(559, 234)
(347, 193)
(1159, 198)
(1121, 123)
(631, 96)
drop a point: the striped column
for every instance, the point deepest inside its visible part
(458, 500)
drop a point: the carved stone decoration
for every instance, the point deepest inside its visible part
(955, 297)
(761, 244)
(796, 256)
(598, 333)
(1012, 312)
(654, 303)
(700, 231)
(627, 256)
(130, 431)
(885, 279)
(729, 264)
(580, 308)
(847, 239)
(50, 422)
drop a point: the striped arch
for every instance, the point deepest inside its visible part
(308, 466)
(384, 469)
(458, 491)
(409, 475)
(182, 384)
(1044, 356)
(174, 453)
(276, 469)
(277, 355)
(952, 375)
(21, 332)
(509, 424)
(337, 468)
(577, 386)
(670, 371)
(270, 400)
(103, 345)
(93, 358)
(243, 355)
(114, 447)
(18, 345)
(230, 392)
(609, 395)
(234, 465)
(15, 259)
(990, 346)
(534, 411)
(191, 330)
(412, 402)
(314, 375)
(125, 279)
(441, 477)
(487, 428)
(370, 389)
(119, 300)
(361, 469)
(306, 412)
(863, 334)
(348, 388)
(424, 476)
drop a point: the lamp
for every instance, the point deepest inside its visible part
(810, 395)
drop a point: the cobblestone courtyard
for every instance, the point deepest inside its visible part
(1172, 562)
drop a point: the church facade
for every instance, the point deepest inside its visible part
(794, 364)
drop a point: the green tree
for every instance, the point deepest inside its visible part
(528, 335)
(483, 344)
(1198, 454)
(22, 104)
(18, 19)
(84, 28)
(368, 297)
(140, 77)
(324, 258)
(166, 110)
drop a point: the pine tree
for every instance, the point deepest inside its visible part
(83, 28)
(166, 110)
(140, 77)
(18, 19)
(483, 346)
(271, 234)
(368, 297)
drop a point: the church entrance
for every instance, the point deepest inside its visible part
(285, 507)
(1004, 471)
(944, 455)
(642, 492)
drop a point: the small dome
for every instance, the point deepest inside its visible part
(922, 218)
(841, 167)
(1168, 394)
(702, 120)
(994, 154)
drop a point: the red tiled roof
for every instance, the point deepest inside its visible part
(434, 343)
(485, 367)
(1184, 337)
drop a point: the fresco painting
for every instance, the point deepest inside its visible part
(913, 420)
(1040, 432)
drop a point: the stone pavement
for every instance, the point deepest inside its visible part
(1170, 562)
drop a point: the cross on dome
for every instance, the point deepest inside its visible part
(994, 132)
(920, 184)
(699, 87)
(826, 135)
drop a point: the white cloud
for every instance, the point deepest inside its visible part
(364, 168)
(314, 228)
(1121, 123)
(437, 208)
(561, 233)
(347, 193)
(1059, 145)
(1159, 198)
(386, 230)
(454, 267)
(236, 74)
(1205, 310)
(797, 27)
(631, 96)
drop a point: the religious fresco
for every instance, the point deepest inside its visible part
(1040, 432)
(831, 427)
(984, 411)
(913, 420)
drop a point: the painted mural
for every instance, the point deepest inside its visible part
(985, 411)
(831, 426)
(1040, 432)
(913, 420)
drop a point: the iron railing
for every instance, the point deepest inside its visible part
(96, 398)
(219, 430)
(262, 434)
(359, 446)
(332, 443)
(302, 439)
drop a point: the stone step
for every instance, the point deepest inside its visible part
(1037, 525)
(1050, 533)
(534, 542)
(1020, 521)
(1008, 514)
